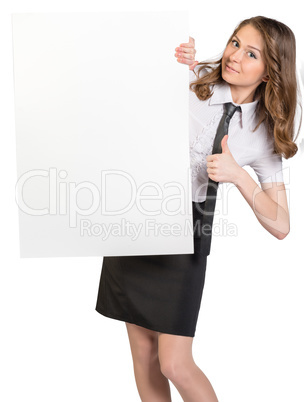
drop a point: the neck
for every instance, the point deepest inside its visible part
(242, 95)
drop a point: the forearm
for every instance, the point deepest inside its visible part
(270, 214)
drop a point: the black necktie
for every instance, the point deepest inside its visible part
(209, 206)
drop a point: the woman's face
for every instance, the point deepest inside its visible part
(242, 63)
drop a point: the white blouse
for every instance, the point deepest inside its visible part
(247, 147)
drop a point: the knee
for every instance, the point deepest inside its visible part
(175, 370)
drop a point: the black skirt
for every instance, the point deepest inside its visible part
(159, 292)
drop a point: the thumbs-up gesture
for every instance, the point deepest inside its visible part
(224, 145)
(185, 53)
(223, 167)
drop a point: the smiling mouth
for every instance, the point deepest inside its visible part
(230, 69)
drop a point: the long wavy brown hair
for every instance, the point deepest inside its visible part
(278, 97)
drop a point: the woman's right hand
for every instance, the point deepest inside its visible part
(185, 53)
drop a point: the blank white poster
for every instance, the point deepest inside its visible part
(101, 110)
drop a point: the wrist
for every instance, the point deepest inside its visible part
(240, 177)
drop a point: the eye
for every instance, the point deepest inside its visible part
(235, 43)
(252, 55)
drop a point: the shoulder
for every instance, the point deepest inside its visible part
(263, 140)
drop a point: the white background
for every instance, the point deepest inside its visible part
(249, 339)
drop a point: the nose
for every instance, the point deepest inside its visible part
(237, 55)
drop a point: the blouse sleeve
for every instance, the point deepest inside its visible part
(268, 167)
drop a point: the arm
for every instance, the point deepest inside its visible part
(185, 53)
(268, 203)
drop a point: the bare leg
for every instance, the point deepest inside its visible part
(177, 364)
(152, 385)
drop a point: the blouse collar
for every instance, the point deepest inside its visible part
(222, 94)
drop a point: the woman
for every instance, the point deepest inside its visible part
(159, 296)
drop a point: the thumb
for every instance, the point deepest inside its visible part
(225, 148)
(192, 40)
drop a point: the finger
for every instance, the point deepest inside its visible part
(212, 169)
(188, 44)
(213, 177)
(185, 49)
(210, 162)
(185, 56)
(184, 61)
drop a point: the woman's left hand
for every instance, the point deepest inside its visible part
(223, 167)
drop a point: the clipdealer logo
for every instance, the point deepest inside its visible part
(63, 198)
